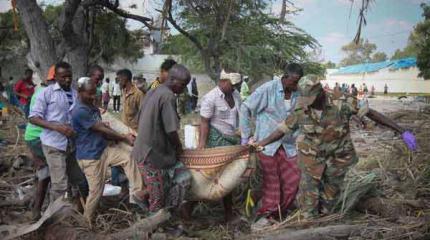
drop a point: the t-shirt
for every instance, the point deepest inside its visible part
(25, 88)
(89, 144)
(157, 118)
(33, 132)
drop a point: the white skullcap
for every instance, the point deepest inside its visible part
(83, 82)
(233, 77)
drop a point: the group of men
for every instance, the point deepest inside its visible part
(301, 134)
(72, 147)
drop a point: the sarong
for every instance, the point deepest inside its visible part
(217, 139)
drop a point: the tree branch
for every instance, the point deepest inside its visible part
(179, 28)
(121, 12)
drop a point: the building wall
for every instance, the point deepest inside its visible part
(402, 80)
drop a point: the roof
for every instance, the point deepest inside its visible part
(373, 67)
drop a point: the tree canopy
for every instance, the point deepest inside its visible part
(422, 42)
(238, 35)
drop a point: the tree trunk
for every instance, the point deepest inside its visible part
(42, 49)
(328, 232)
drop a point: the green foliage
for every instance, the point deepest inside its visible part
(358, 53)
(410, 50)
(254, 42)
(113, 40)
(379, 57)
(422, 42)
(329, 65)
(314, 68)
(11, 41)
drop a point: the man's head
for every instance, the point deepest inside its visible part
(87, 90)
(165, 68)
(141, 84)
(96, 73)
(178, 78)
(311, 92)
(291, 77)
(63, 75)
(229, 81)
(124, 77)
(28, 74)
(107, 80)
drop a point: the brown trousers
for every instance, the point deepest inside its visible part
(95, 171)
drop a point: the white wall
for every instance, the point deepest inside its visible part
(402, 80)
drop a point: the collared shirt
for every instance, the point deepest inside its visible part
(89, 143)
(221, 117)
(53, 106)
(130, 113)
(268, 106)
(157, 118)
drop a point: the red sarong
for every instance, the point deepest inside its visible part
(281, 178)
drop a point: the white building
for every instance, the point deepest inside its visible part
(399, 75)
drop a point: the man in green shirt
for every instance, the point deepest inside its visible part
(244, 89)
(31, 137)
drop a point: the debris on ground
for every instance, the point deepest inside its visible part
(386, 196)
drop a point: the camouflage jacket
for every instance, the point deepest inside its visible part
(324, 131)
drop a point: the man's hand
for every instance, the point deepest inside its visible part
(102, 110)
(65, 129)
(129, 139)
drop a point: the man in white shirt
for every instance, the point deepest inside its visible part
(220, 120)
(116, 94)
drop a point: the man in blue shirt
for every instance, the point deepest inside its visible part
(98, 147)
(269, 104)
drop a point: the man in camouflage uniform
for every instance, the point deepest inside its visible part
(325, 147)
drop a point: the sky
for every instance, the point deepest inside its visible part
(328, 21)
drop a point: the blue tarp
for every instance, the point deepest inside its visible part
(373, 67)
(404, 63)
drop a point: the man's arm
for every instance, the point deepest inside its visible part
(204, 132)
(64, 129)
(383, 120)
(111, 134)
(37, 117)
(175, 141)
(254, 104)
(289, 125)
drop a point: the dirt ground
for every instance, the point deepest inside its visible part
(387, 194)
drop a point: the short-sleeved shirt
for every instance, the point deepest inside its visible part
(221, 117)
(131, 105)
(157, 118)
(33, 132)
(89, 143)
(25, 88)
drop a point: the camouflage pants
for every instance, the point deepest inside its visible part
(322, 176)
